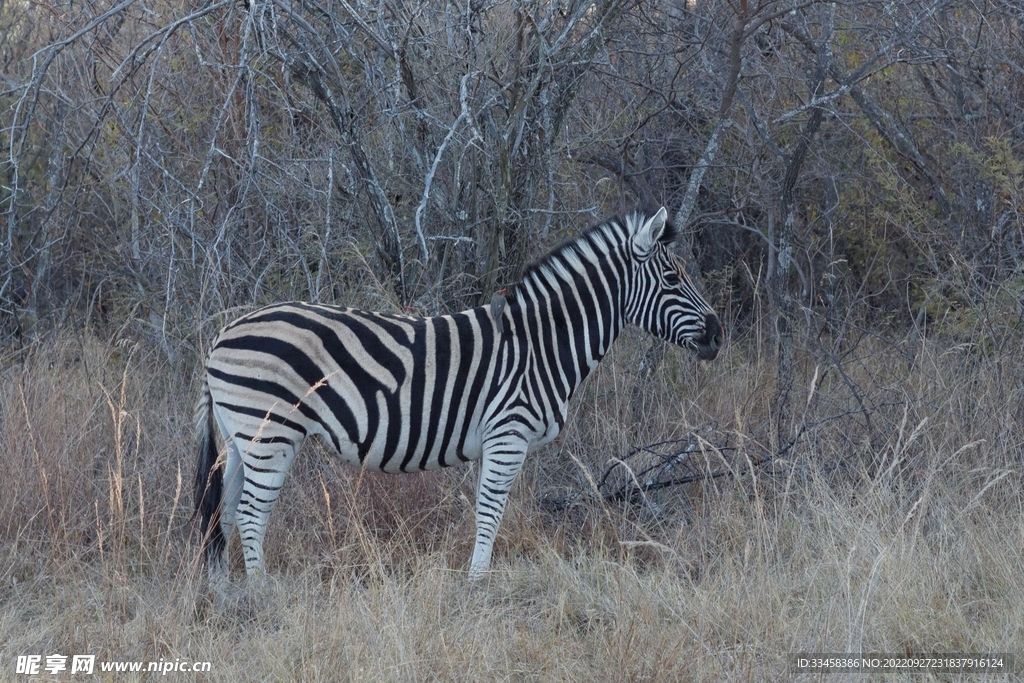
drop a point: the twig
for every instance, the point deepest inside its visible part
(659, 474)
(464, 114)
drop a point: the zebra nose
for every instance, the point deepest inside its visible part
(714, 336)
(715, 332)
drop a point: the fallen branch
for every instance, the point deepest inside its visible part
(658, 466)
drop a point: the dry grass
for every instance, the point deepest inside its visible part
(893, 528)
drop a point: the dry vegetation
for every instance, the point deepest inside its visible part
(908, 537)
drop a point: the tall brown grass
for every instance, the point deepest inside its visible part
(894, 524)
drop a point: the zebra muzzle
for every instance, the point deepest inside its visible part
(708, 346)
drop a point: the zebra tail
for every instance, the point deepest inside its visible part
(209, 484)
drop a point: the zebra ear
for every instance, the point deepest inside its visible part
(649, 234)
(497, 308)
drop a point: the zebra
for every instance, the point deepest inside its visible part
(406, 394)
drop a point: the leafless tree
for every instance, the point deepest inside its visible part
(835, 166)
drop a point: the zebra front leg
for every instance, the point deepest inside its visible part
(498, 469)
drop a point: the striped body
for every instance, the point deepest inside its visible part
(404, 394)
(354, 378)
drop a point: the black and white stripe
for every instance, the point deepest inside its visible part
(404, 394)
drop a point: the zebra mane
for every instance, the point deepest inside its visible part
(569, 255)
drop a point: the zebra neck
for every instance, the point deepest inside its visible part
(568, 320)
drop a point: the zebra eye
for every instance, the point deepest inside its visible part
(672, 278)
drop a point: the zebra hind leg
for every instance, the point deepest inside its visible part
(217, 558)
(498, 469)
(263, 469)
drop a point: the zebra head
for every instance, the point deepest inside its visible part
(662, 299)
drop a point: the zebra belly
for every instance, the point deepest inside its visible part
(424, 454)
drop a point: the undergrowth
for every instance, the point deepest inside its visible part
(893, 523)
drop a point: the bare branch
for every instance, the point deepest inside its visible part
(732, 79)
(464, 114)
